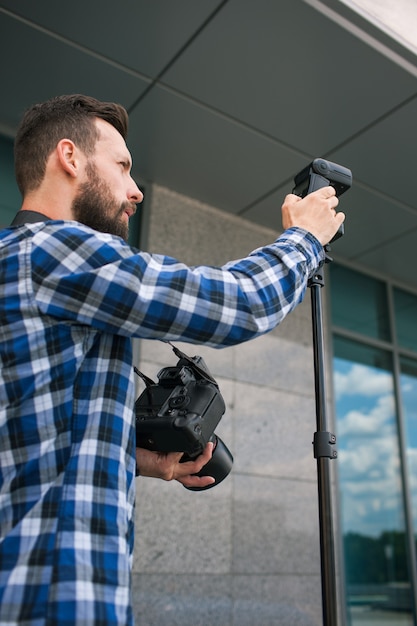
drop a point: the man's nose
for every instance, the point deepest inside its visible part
(134, 193)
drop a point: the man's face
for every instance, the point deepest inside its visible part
(97, 207)
(108, 195)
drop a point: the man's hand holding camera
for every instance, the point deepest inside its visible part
(168, 466)
(316, 213)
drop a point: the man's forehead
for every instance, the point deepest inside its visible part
(107, 132)
(109, 135)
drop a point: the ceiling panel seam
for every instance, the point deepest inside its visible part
(178, 54)
(76, 46)
(383, 243)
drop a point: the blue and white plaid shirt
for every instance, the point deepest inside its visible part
(71, 299)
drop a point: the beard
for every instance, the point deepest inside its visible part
(96, 207)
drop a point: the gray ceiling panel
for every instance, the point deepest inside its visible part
(193, 150)
(290, 72)
(42, 67)
(372, 221)
(140, 35)
(385, 156)
(396, 259)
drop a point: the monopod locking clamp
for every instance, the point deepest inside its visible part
(322, 445)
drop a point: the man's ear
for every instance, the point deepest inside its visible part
(68, 157)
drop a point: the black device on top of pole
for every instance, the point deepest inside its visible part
(321, 173)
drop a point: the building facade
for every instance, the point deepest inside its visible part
(247, 552)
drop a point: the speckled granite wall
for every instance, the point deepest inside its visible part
(247, 552)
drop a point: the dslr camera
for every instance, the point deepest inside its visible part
(180, 414)
(321, 173)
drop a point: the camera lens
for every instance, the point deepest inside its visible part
(219, 465)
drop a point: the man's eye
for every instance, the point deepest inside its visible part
(126, 165)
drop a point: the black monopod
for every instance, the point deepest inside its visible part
(321, 173)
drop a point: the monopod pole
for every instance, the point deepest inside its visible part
(324, 452)
(318, 174)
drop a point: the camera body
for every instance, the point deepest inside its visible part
(180, 414)
(321, 173)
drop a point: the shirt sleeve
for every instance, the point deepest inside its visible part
(92, 278)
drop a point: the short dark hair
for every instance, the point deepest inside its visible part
(45, 124)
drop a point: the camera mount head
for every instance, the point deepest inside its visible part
(321, 173)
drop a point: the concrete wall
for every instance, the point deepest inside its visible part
(247, 551)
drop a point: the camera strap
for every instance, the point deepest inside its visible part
(148, 381)
(191, 361)
(200, 371)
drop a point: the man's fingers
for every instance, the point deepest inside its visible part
(196, 481)
(168, 465)
(193, 467)
(340, 217)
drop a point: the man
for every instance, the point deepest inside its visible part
(73, 294)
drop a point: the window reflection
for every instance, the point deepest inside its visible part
(405, 305)
(408, 381)
(370, 486)
(359, 303)
(10, 199)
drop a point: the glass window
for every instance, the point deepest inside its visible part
(359, 303)
(134, 227)
(376, 571)
(408, 381)
(10, 199)
(405, 306)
